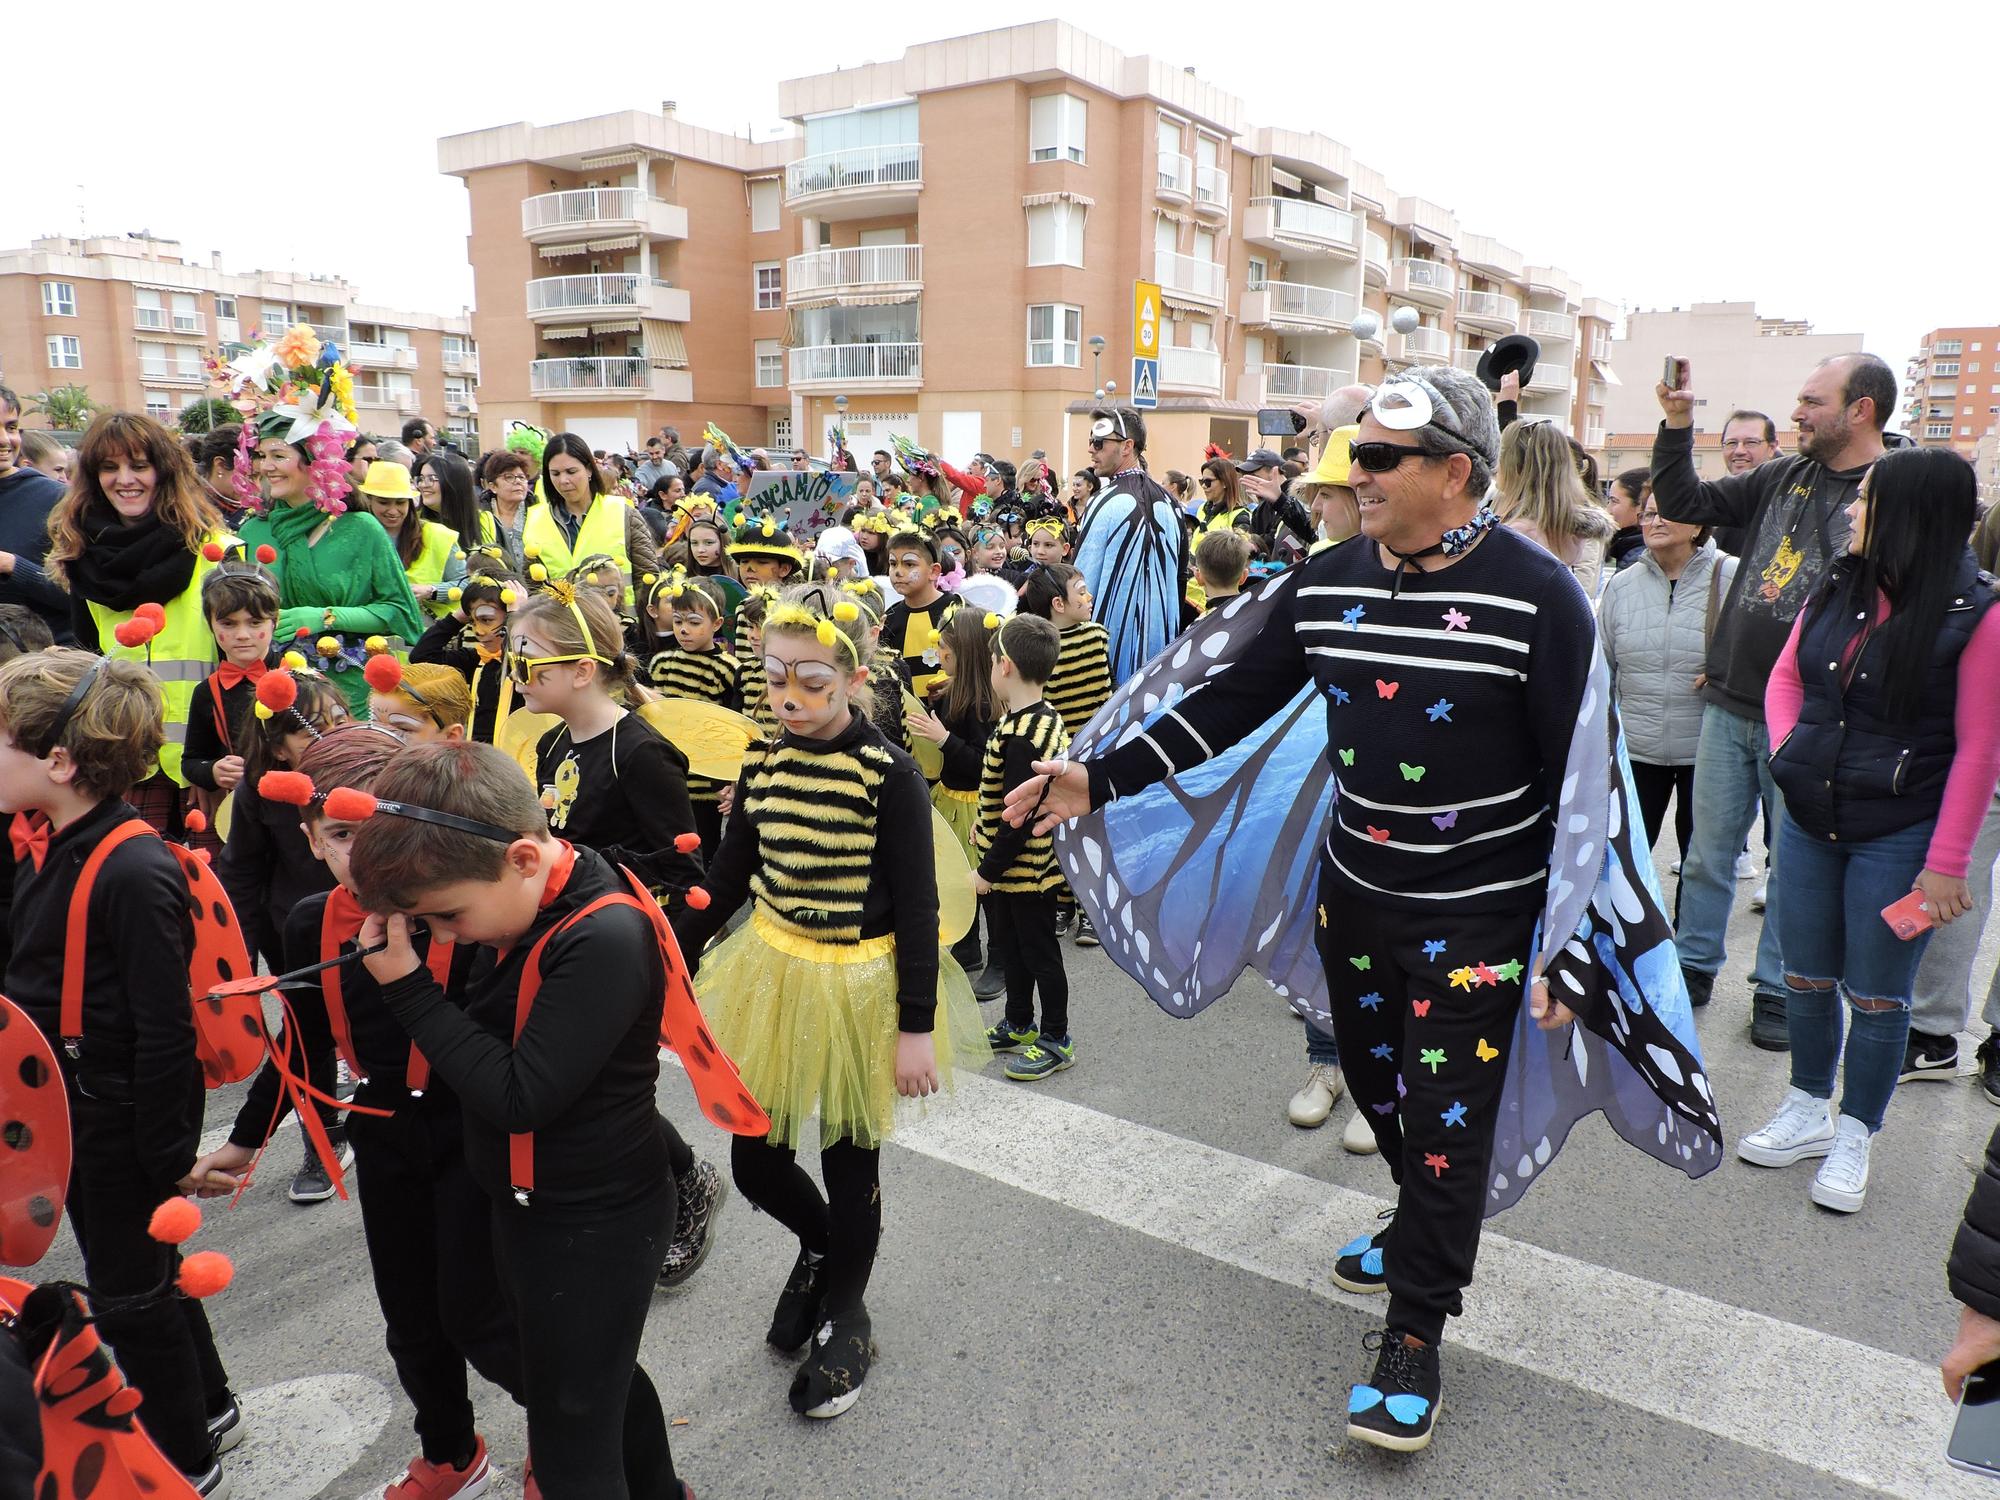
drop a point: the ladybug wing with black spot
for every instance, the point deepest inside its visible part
(718, 1088)
(229, 1029)
(34, 1139)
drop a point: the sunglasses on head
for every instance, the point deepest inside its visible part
(1380, 458)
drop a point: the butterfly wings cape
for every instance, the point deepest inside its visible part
(1129, 552)
(1214, 870)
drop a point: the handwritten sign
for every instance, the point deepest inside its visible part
(805, 502)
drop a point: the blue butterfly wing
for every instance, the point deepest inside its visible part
(1129, 554)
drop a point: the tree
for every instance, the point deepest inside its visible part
(206, 415)
(68, 407)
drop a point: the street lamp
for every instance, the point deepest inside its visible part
(1096, 358)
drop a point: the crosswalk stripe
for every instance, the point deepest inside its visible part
(1812, 1398)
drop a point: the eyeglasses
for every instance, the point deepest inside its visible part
(1380, 458)
(523, 668)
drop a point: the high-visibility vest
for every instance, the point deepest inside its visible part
(440, 546)
(1236, 516)
(181, 656)
(602, 531)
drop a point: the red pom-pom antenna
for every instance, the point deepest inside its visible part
(383, 673)
(267, 554)
(174, 1221)
(155, 612)
(687, 843)
(206, 856)
(212, 552)
(196, 821)
(205, 1273)
(697, 898)
(293, 788)
(130, 632)
(346, 804)
(277, 691)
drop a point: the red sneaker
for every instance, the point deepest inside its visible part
(425, 1480)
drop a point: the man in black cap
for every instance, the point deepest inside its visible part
(1264, 480)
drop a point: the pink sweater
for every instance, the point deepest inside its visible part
(1975, 768)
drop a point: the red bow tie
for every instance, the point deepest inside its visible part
(30, 835)
(229, 675)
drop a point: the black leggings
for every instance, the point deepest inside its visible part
(845, 1226)
(1656, 786)
(580, 1288)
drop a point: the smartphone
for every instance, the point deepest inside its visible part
(1909, 917)
(1975, 1435)
(1674, 374)
(1279, 421)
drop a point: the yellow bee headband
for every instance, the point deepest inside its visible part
(1050, 524)
(797, 617)
(562, 590)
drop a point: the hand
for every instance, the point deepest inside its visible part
(981, 886)
(1266, 484)
(1510, 388)
(219, 1173)
(1548, 1015)
(1978, 1344)
(1308, 412)
(725, 800)
(1067, 784)
(228, 772)
(396, 960)
(928, 725)
(916, 1065)
(1678, 405)
(1947, 897)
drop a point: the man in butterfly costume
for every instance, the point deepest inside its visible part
(1130, 547)
(1470, 850)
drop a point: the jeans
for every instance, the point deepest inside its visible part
(1942, 1002)
(1730, 778)
(1320, 1045)
(1838, 891)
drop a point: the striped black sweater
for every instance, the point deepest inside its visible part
(1081, 682)
(710, 676)
(1015, 859)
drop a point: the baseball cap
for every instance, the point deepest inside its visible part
(1260, 458)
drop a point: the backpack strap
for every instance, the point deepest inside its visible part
(76, 933)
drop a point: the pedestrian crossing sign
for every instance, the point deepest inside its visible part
(1146, 383)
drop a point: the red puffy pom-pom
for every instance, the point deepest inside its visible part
(205, 1273)
(293, 788)
(155, 612)
(206, 856)
(267, 554)
(130, 632)
(277, 691)
(302, 632)
(697, 898)
(196, 820)
(346, 804)
(212, 552)
(383, 673)
(687, 843)
(174, 1222)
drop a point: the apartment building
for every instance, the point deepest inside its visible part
(1952, 388)
(131, 319)
(948, 247)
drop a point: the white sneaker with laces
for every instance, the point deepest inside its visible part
(1356, 1137)
(1841, 1183)
(1802, 1127)
(1746, 867)
(1314, 1101)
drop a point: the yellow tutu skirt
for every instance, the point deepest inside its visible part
(960, 811)
(812, 1027)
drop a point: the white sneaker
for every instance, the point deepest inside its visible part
(1802, 1127)
(1357, 1137)
(1677, 867)
(1841, 1183)
(1314, 1101)
(1757, 896)
(1746, 867)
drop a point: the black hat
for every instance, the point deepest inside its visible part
(1514, 352)
(1260, 458)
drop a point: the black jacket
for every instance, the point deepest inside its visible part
(1974, 1268)
(26, 498)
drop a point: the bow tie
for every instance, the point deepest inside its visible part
(489, 655)
(229, 675)
(30, 835)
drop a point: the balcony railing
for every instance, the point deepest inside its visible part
(619, 289)
(329, 333)
(1429, 345)
(1204, 279)
(1319, 223)
(862, 265)
(1596, 393)
(1176, 178)
(1489, 307)
(460, 406)
(895, 167)
(1416, 276)
(1550, 325)
(171, 375)
(1303, 382)
(1467, 360)
(1549, 377)
(1211, 189)
(464, 362)
(1593, 435)
(1374, 256)
(394, 356)
(165, 320)
(1191, 369)
(858, 363)
(551, 216)
(605, 372)
(1299, 302)
(391, 398)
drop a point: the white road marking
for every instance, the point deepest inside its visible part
(303, 1434)
(1817, 1400)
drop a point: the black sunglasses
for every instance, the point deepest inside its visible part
(1380, 458)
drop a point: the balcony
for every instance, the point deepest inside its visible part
(1426, 346)
(460, 406)
(820, 274)
(172, 375)
(164, 320)
(1544, 326)
(1374, 259)
(1593, 434)
(1176, 181)
(385, 398)
(598, 213)
(559, 297)
(882, 367)
(1195, 370)
(867, 182)
(1211, 192)
(463, 362)
(1281, 385)
(1467, 360)
(1490, 312)
(1425, 281)
(1596, 393)
(1600, 345)
(1200, 280)
(1297, 228)
(367, 356)
(328, 334)
(1549, 377)
(625, 377)
(1292, 304)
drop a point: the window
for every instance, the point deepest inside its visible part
(452, 346)
(765, 196)
(1965, 432)
(770, 285)
(1945, 367)
(1055, 234)
(770, 364)
(1204, 245)
(781, 434)
(1055, 334)
(159, 405)
(58, 299)
(1948, 346)
(863, 130)
(1975, 348)
(225, 307)
(1259, 272)
(66, 352)
(1055, 128)
(1973, 368)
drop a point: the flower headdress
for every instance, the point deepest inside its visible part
(297, 389)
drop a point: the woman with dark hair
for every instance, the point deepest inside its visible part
(1222, 502)
(1181, 488)
(1885, 710)
(430, 553)
(214, 455)
(578, 517)
(445, 490)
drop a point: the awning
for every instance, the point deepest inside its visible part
(1184, 303)
(1287, 180)
(1602, 371)
(557, 252)
(624, 242)
(627, 157)
(1033, 200)
(858, 299)
(1172, 217)
(630, 325)
(579, 332)
(666, 346)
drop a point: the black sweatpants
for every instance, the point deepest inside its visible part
(165, 1348)
(1658, 785)
(708, 823)
(845, 1226)
(1022, 929)
(430, 1247)
(580, 1287)
(1424, 1005)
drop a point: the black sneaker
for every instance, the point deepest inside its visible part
(701, 1195)
(1358, 1267)
(991, 983)
(225, 1428)
(1699, 985)
(798, 1310)
(1086, 935)
(1927, 1056)
(830, 1380)
(1767, 1021)
(313, 1183)
(1064, 916)
(1988, 1057)
(1399, 1406)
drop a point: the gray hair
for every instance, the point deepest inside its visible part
(392, 452)
(1469, 427)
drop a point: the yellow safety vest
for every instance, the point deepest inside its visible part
(1222, 520)
(602, 531)
(181, 656)
(439, 548)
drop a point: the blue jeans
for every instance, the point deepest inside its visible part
(1731, 778)
(1320, 1045)
(1837, 891)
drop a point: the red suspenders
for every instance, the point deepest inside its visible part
(338, 925)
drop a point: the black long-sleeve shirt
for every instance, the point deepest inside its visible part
(26, 498)
(218, 725)
(623, 793)
(582, 1074)
(267, 867)
(448, 643)
(138, 1016)
(965, 751)
(1015, 857)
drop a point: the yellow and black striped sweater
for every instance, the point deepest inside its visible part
(709, 676)
(832, 841)
(1081, 682)
(1016, 859)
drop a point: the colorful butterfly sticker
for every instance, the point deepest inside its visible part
(1386, 689)
(1363, 963)
(1446, 821)
(1410, 772)
(1484, 1052)
(1431, 1057)
(1380, 835)
(1421, 1008)
(1347, 757)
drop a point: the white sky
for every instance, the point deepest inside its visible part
(1829, 161)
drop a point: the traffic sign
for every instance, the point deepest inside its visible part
(1146, 383)
(1146, 319)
